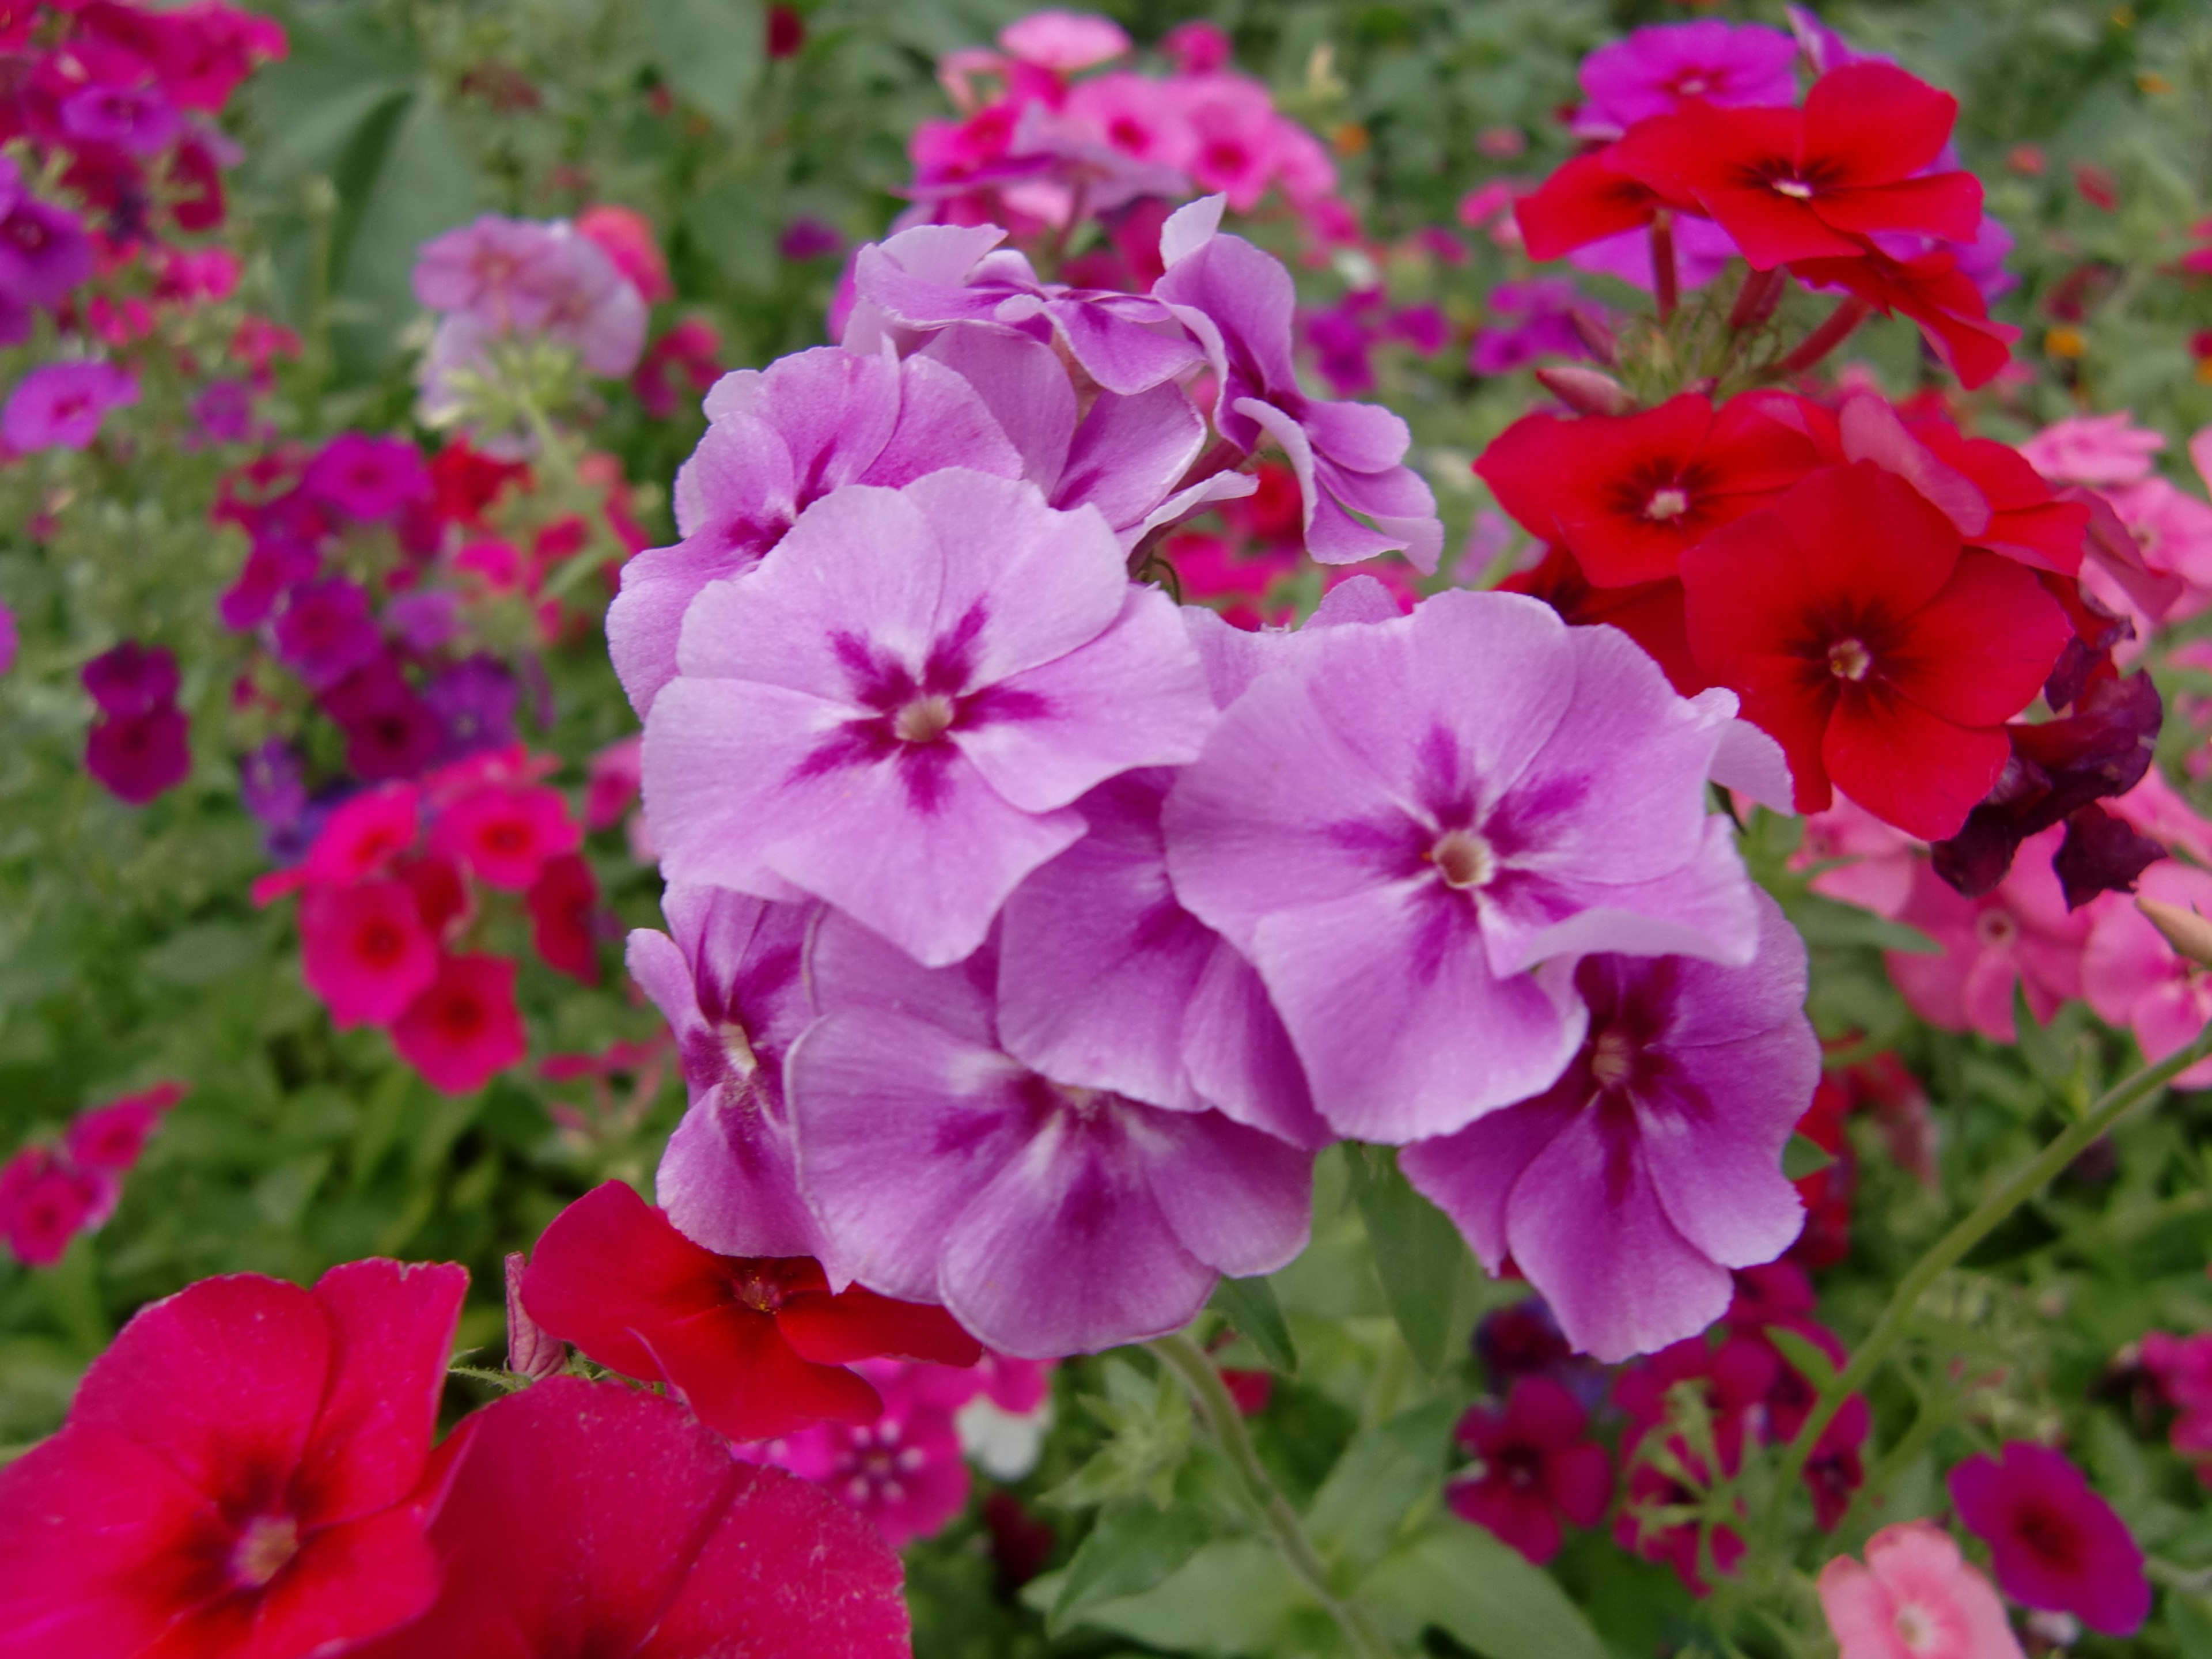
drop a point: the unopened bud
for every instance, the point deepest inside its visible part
(531, 1351)
(1596, 337)
(2184, 930)
(1587, 391)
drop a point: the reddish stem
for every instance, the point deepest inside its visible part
(1851, 310)
(1665, 283)
(1756, 299)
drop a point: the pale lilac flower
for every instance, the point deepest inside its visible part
(1048, 1220)
(61, 405)
(897, 710)
(1063, 41)
(326, 631)
(1656, 68)
(2133, 978)
(506, 271)
(1629, 1189)
(44, 250)
(2094, 449)
(727, 978)
(500, 277)
(779, 439)
(1401, 823)
(1360, 498)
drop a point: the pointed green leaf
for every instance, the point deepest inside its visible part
(1804, 1156)
(1382, 1474)
(1133, 1548)
(1481, 1593)
(1250, 1304)
(1419, 1256)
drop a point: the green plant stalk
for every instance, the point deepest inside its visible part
(1219, 1413)
(1948, 1251)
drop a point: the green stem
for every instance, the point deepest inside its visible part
(1950, 1249)
(1221, 1416)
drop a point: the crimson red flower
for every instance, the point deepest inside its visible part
(589, 1518)
(1933, 291)
(756, 1346)
(506, 832)
(246, 1473)
(1626, 494)
(1813, 183)
(1536, 1468)
(564, 903)
(1584, 201)
(2056, 1545)
(1826, 1192)
(1871, 645)
(1650, 613)
(465, 1030)
(365, 952)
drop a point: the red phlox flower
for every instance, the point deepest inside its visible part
(1534, 1467)
(363, 837)
(505, 833)
(440, 890)
(1813, 183)
(1585, 200)
(1251, 1390)
(365, 952)
(563, 915)
(756, 1346)
(1953, 314)
(1650, 613)
(1866, 640)
(464, 484)
(465, 1028)
(1626, 495)
(588, 1517)
(45, 1202)
(2055, 1544)
(246, 1473)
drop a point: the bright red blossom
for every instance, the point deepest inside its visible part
(1535, 1468)
(246, 1473)
(1584, 201)
(756, 1346)
(1871, 645)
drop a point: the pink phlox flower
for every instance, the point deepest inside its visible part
(2133, 978)
(1534, 1467)
(1444, 846)
(2183, 1366)
(903, 701)
(1198, 47)
(135, 757)
(2021, 933)
(44, 250)
(1656, 69)
(1063, 41)
(2173, 529)
(10, 638)
(61, 405)
(389, 731)
(1625, 1160)
(1870, 864)
(363, 837)
(906, 1471)
(506, 271)
(1916, 1597)
(613, 779)
(1361, 497)
(727, 977)
(111, 1137)
(132, 679)
(505, 833)
(463, 1029)
(365, 952)
(2056, 1545)
(625, 236)
(371, 479)
(688, 357)
(1702, 251)
(2098, 450)
(1048, 1220)
(1535, 319)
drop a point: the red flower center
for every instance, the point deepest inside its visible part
(266, 1544)
(1850, 660)
(381, 944)
(461, 1017)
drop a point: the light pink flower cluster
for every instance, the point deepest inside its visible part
(392, 889)
(51, 1193)
(2160, 567)
(1028, 936)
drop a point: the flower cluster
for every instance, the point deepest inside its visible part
(51, 1193)
(140, 741)
(394, 886)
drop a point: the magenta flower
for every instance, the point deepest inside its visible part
(135, 757)
(109, 1139)
(371, 479)
(10, 638)
(905, 1471)
(1627, 1190)
(1534, 1467)
(1915, 1598)
(139, 119)
(781, 439)
(2056, 1545)
(44, 250)
(365, 952)
(726, 978)
(464, 1029)
(390, 732)
(61, 405)
(45, 1202)
(896, 710)
(1361, 497)
(1048, 1220)
(1400, 822)
(2133, 978)
(326, 631)
(1656, 68)
(132, 679)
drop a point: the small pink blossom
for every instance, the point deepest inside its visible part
(905, 1471)
(465, 1030)
(2098, 450)
(111, 1137)
(1063, 41)
(45, 1202)
(1916, 1597)
(2132, 977)
(1868, 863)
(506, 833)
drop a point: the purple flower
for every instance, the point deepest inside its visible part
(326, 631)
(1048, 1220)
(505, 272)
(475, 700)
(61, 405)
(390, 732)
(224, 411)
(16, 318)
(730, 984)
(2056, 1545)
(808, 238)
(366, 478)
(1542, 312)
(1407, 816)
(1702, 250)
(9, 639)
(131, 679)
(272, 784)
(44, 250)
(499, 277)
(424, 619)
(1360, 498)
(136, 118)
(1628, 1190)
(136, 756)
(895, 711)
(1655, 68)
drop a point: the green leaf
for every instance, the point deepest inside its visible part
(1805, 1356)
(1824, 922)
(1804, 1156)
(1383, 1475)
(1250, 1304)
(1148, 1422)
(423, 183)
(710, 52)
(1481, 1593)
(1419, 1256)
(1133, 1548)
(1232, 1596)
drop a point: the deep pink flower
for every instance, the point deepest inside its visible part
(132, 679)
(61, 405)
(365, 834)
(326, 631)
(45, 1203)
(10, 638)
(613, 779)
(1656, 68)
(365, 952)
(905, 1471)
(389, 731)
(564, 905)
(2056, 1545)
(110, 1138)
(137, 756)
(505, 833)
(1915, 1598)
(371, 478)
(895, 711)
(1534, 1467)
(139, 119)
(246, 1473)
(1198, 47)
(465, 1028)
(589, 1517)
(44, 250)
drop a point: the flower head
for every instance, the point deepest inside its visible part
(2020, 933)
(45, 1202)
(1656, 69)
(505, 833)
(463, 1029)
(135, 757)
(2098, 450)
(1534, 1467)
(905, 1471)
(365, 952)
(1916, 1597)
(44, 250)
(131, 679)
(2056, 1545)
(110, 1138)
(372, 479)
(324, 631)
(61, 405)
